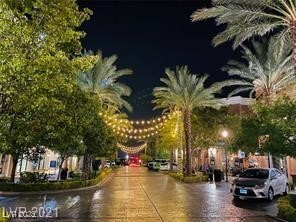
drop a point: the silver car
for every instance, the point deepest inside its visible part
(260, 183)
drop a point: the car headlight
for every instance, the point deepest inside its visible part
(260, 186)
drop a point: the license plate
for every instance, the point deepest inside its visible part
(243, 191)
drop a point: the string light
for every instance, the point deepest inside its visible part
(132, 150)
(137, 129)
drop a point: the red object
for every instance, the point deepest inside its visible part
(134, 161)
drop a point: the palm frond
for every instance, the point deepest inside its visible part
(184, 90)
(267, 68)
(102, 79)
(246, 19)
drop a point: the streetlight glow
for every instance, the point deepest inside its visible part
(224, 133)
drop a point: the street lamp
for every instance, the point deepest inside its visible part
(225, 135)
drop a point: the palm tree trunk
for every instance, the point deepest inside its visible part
(187, 129)
(180, 145)
(184, 157)
(293, 31)
(171, 159)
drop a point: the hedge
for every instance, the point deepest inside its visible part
(3, 215)
(51, 186)
(191, 179)
(286, 206)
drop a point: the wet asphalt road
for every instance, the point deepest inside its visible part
(135, 194)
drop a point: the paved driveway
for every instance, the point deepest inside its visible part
(134, 194)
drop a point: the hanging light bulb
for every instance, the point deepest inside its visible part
(143, 122)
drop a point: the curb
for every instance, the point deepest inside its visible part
(10, 193)
(276, 218)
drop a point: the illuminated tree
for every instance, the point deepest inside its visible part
(184, 91)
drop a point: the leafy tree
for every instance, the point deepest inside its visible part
(66, 128)
(208, 123)
(267, 70)
(277, 121)
(185, 92)
(168, 138)
(38, 64)
(154, 149)
(98, 138)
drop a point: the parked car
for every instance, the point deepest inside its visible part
(153, 165)
(260, 183)
(166, 166)
(109, 163)
(150, 165)
(156, 166)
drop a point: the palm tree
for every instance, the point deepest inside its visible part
(102, 80)
(266, 71)
(185, 91)
(248, 18)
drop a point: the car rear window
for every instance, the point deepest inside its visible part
(255, 173)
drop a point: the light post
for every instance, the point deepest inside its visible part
(225, 135)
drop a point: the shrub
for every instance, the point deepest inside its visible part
(75, 175)
(32, 177)
(4, 179)
(51, 186)
(3, 215)
(286, 206)
(191, 179)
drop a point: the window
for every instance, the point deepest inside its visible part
(272, 174)
(278, 173)
(255, 173)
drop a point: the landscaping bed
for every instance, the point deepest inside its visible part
(287, 207)
(192, 179)
(52, 186)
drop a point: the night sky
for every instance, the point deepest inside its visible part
(149, 36)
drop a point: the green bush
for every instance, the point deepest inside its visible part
(4, 179)
(51, 186)
(3, 215)
(191, 179)
(32, 177)
(286, 206)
